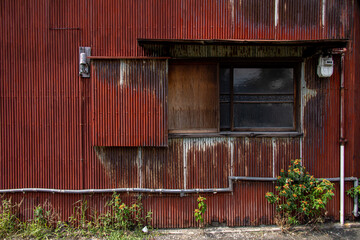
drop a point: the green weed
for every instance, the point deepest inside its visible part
(118, 222)
(199, 212)
(9, 221)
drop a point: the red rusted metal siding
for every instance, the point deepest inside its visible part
(47, 111)
(129, 102)
(352, 91)
(356, 70)
(123, 22)
(64, 205)
(321, 120)
(40, 100)
(300, 19)
(245, 207)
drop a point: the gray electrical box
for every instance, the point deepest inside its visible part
(84, 61)
(325, 67)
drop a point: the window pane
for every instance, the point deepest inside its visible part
(263, 115)
(263, 80)
(225, 115)
(224, 80)
(225, 98)
(264, 98)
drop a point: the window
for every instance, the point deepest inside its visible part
(257, 98)
(213, 97)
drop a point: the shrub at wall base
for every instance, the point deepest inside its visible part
(299, 197)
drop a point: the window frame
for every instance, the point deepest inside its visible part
(295, 64)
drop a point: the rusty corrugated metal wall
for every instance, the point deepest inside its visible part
(46, 109)
(356, 61)
(223, 19)
(129, 102)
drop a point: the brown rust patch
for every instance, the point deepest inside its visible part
(120, 165)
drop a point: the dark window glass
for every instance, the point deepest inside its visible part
(261, 99)
(263, 80)
(225, 115)
(225, 80)
(263, 115)
(225, 97)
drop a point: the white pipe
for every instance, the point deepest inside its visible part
(182, 192)
(342, 184)
(342, 138)
(158, 190)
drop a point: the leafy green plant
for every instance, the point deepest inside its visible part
(300, 198)
(44, 223)
(9, 221)
(127, 217)
(78, 219)
(116, 223)
(199, 212)
(353, 192)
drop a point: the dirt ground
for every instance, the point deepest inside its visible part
(326, 231)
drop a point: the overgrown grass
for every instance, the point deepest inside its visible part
(119, 221)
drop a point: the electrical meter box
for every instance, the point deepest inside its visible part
(326, 67)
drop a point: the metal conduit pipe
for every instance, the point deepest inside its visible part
(182, 192)
(342, 136)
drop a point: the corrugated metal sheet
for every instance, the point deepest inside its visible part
(184, 19)
(245, 207)
(300, 19)
(40, 100)
(46, 112)
(202, 162)
(129, 102)
(321, 121)
(356, 163)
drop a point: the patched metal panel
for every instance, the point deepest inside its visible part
(321, 119)
(207, 162)
(253, 157)
(129, 102)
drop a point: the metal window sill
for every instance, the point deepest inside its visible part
(236, 134)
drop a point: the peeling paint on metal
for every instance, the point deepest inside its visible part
(185, 157)
(306, 95)
(139, 163)
(273, 156)
(231, 2)
(231, 150)
(323, 10)
(276, 13)
(123, 67)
